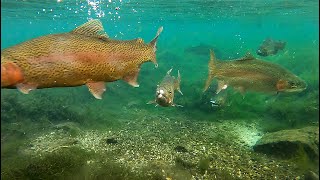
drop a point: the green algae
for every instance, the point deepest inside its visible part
(57, 165)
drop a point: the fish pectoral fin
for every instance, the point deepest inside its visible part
(177, 105)
(221, 85)
(132, 77)
(151, 102)
(177, 83)
(96, 89)
(178, 89)
(93, 28)
(25, 88)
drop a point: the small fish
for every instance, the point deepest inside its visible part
(270, 47)
(165, 91)
(249, 73)
(84, 56)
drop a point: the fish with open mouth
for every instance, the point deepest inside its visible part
(165, 90)
(84, 56)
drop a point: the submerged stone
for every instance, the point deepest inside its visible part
(111, 141)
(288, 143)
(180, 149)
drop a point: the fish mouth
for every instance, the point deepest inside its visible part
(163, 100)
(297, 89)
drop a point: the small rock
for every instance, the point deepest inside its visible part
(180, 149)
(287, 143)
(111, 141)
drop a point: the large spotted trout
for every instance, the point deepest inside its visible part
(84, 56)
(251, 74)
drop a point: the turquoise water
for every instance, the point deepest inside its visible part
(232, 28)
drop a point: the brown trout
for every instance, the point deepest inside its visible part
(84, 56)
(251, 74)
(165, 90)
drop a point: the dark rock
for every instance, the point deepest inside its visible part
(111, 141)
(288, 143)
(180, 149)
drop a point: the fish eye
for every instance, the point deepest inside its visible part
(170, 92)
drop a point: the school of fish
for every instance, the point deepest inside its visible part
(87, 56)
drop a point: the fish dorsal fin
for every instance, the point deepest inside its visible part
(248, 56)
(93, 28)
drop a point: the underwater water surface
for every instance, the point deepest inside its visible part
(65, 133)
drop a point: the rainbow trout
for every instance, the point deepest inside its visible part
(249, 73)
(165, 90)
(84, 56)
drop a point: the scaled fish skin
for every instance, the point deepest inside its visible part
(270, 47)
(85, 55)
(165, 90)
(251, 74)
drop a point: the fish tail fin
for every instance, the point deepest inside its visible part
(177, 83)
(153, 42)
(153, 45)
(211, 66)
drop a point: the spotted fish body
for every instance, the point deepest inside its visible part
(251, 74)
(165, 90)
(85, 55)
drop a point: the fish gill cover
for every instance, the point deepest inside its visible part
(64, 132)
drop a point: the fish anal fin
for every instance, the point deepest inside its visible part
(92, 28)
(221, 85)
(132, 77)
(25, 88)
(177, 83)
(97, 89)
